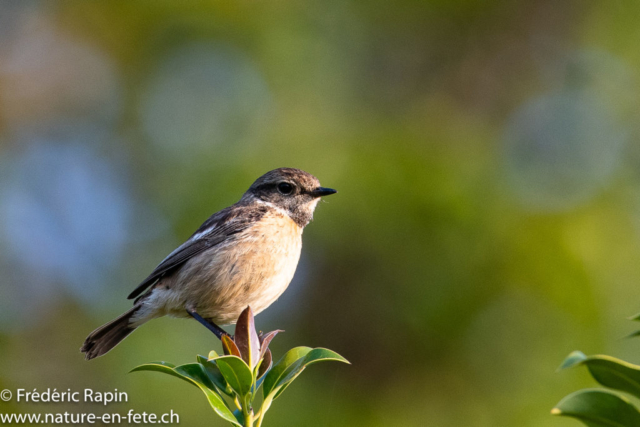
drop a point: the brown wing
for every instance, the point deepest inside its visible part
(220, 227)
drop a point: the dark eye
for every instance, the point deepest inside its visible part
(285, 188)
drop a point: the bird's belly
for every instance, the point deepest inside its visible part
(253, 271)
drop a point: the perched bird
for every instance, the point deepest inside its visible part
(245, 254)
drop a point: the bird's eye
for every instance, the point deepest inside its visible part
(285, 188)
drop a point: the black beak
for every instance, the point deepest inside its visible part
(322, 191)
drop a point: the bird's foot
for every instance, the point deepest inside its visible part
(208, 323)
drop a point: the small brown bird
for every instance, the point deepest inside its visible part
(243, 255)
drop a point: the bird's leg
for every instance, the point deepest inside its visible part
(208, 323)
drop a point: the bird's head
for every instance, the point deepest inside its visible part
(293, 190)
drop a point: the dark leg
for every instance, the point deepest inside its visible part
(217, 330)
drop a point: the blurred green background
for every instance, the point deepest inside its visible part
(487, 221)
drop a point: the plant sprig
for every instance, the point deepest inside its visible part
(232, 381)
(600, 407)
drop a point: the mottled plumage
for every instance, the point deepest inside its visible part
(243, 255)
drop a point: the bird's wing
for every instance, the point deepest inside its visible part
(219, 228)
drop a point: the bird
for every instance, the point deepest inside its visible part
(244, 255)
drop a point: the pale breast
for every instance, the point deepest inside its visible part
(254, 269)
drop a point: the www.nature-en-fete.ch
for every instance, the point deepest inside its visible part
(23, 396)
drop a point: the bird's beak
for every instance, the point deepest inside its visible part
(322, 191)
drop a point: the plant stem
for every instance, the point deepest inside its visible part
(263, 410)
(260, 418)
(248, 413)
(248, 419)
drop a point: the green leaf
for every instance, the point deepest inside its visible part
(573, 359)
(633, 334)
(315, 355)
(284, 374)
(237, 374)
(279, 369)
(608, 371)
(163, 367)
(246, 338)
(194, 374)
(635, 318)
(598, 408)
(216, 377)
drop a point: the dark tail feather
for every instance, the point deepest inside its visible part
(108, 336)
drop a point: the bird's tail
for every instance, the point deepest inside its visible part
(108, 335)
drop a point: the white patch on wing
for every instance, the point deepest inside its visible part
(192, 239)
(203, 233)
